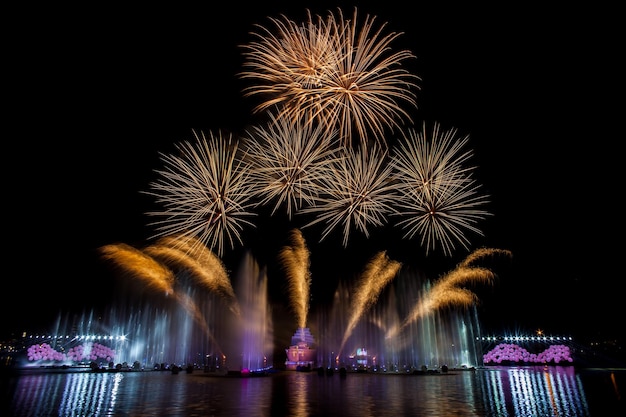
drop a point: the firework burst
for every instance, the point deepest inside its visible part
(289, 64)
(206, 192)
(359, 192)
(369, 81)
(441, 199)
(286, 158)
(335, 72)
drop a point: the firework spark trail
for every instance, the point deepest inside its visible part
(438, 297)
(335, 72)
(204, 265)
(359, 192)
(295, 261)
(379, 271)
(462, 275)
(441, 295)
(287, 158)
(206, 192)
(446, 291)
(140, 265)
(482, 253)
(442, 199)
(156, 275)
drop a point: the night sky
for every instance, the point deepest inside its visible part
(96, 98)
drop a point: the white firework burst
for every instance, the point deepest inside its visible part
(369, 83)
(441, 200)
(287, 158)
(205, 192)
(289, 65)
(359, 192)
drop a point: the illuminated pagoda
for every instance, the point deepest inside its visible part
(301, 354)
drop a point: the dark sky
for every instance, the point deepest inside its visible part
(94, 98)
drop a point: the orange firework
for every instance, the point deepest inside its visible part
(140, 265)
(446, 292)
(203, 264)
(333, 71)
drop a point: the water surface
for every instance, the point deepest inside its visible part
(491, 391)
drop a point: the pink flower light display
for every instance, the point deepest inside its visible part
(88, 351)
(513, 353)
(44, 352)
(91, 352)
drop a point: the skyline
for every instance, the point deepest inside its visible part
(527, 155)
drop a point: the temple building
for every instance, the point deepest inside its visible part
(302, 351)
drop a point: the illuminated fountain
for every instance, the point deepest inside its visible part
(389, 319)
(384, 339)
(179, 307)
(176, 306)
(200, 319)
(255, 324)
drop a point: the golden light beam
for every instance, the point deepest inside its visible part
(482, 253)
(140, 265)
(379, 271)
(205, 266)
(446, 291)
(144, 267)
(295, 260)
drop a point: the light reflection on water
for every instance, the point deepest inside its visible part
(492, 391)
